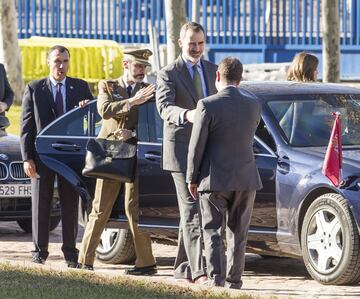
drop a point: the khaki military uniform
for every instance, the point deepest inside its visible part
(113, 108)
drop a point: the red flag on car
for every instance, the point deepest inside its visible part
(333, 156)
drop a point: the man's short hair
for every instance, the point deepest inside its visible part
(231, 69)
(60, 48)
(196, 27)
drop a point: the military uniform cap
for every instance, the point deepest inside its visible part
(139, 55)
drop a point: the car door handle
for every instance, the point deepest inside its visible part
(283, 163)
(66, 147)
(153, 156)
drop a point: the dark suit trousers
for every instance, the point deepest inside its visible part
(215, 208)
(42, 197)
(189, 262)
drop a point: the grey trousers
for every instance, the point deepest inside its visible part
(215, 208)
(189, 262)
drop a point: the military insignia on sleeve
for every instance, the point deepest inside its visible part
(117, 96)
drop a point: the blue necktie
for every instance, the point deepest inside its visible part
(129, 90)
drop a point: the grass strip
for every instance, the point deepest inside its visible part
(24, 282)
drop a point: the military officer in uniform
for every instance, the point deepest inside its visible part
(117, 104)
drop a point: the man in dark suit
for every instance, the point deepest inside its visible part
(6, 93)
(180, 85)
(222, 168)
(44, 100)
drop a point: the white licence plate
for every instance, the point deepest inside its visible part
(15, 190)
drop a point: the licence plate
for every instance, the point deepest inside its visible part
(15, 190)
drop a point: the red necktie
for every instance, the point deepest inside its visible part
(59, 105)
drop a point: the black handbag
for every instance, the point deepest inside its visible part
(111, 159)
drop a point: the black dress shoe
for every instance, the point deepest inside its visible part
(85, 267)
(149, 270)
(38, 260)
(72, 264)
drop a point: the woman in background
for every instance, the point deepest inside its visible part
(303, 68)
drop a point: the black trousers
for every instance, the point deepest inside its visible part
(42, 189)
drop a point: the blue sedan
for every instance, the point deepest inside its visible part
(298, 213)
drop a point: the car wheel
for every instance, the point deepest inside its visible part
(116, 247)
(26, 225)
(330, 241)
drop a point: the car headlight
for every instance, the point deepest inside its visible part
(358, 185)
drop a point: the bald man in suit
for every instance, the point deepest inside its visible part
(180, 85)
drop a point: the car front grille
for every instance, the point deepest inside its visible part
(3, 171)
(17, 171)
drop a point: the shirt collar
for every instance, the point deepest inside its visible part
(189, 64)
(54, 82)
(126, 84)
(227, 86)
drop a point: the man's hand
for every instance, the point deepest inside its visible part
(143, 95)
(30, 168)
(193, 190)
(190, 115)
(3, 106)
(83, 103)
(123, 134)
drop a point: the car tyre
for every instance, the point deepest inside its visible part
(116, 247)
(330, 241)
(26, 223)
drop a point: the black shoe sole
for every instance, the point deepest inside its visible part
(141, 273)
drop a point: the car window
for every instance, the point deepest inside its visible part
(150, 124)
(308, 120)
(75, 123)
(264, 135)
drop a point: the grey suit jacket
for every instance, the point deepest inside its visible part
(6, 93)
(221, 146)
(176, 93)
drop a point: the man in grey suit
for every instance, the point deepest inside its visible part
(222, 168)
(180, 85)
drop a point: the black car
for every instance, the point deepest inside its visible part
(298, 213)
(15, 188)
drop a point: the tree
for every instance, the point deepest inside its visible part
(331, 41)
(175, 18)
(9, 47)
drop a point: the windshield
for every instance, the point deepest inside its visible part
(308, 120)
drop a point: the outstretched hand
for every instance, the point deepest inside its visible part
(143, 95)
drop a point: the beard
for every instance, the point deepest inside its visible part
(138, 78)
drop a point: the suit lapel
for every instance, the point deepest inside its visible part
(208, 76)
(48, 95)
(122, 90)
(186, 78)
(69, 91)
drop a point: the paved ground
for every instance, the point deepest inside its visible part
(281, 277)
